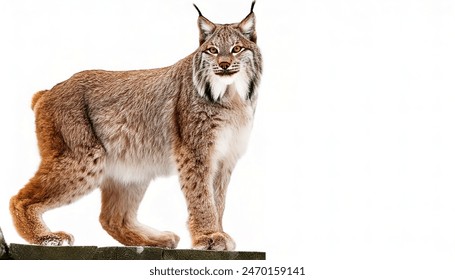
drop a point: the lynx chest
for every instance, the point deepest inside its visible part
(232, 139)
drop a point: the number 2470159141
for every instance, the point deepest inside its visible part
(258, 270)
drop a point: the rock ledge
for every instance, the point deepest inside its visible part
(35, 252)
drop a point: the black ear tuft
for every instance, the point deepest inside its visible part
(200, 14)
(206, 27)
(252, 6)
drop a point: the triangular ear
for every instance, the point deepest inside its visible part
(206, 27)
(248, 25)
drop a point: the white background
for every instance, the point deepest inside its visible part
(350, 170)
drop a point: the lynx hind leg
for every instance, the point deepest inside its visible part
(119, 206)
(58, 181)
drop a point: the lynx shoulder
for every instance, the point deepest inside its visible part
(118, 130)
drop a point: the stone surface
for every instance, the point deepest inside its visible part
(211, 255)
(128, 253)
(3, 247)
(35, 252)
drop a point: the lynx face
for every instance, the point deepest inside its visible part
(227, 57)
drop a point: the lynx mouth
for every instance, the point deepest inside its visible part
(226, 73)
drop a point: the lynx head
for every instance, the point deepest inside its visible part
(227, 58)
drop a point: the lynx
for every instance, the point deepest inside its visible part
(118, 130)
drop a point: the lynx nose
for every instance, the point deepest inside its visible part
(225, 65)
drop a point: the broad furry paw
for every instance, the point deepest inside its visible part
(170, 240)
(217, 241)
(55, 239)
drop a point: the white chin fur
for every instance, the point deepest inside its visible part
(227, 80)
(220, 84)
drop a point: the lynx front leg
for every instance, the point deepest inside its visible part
(120, 203)
(220, 184)
(204, 220)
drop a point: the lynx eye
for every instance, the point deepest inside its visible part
(212, 50)
(236, 49)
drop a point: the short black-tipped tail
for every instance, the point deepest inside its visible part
(36, 98)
